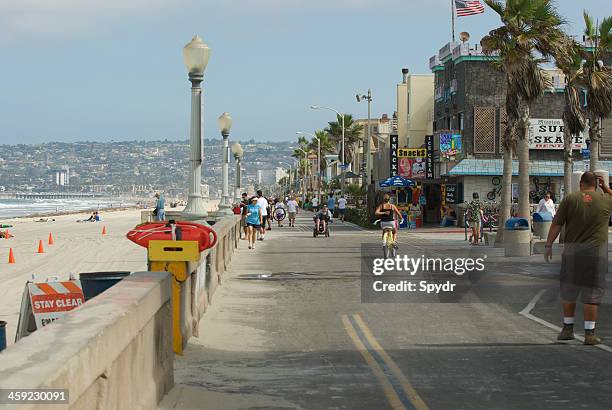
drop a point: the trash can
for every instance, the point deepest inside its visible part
(2, 335)
(517, 237)
(94, 283)
(541, 224)
(404, 223)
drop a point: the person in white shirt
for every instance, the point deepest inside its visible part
(547, 204)
(292, 208)
(315, 204)
(342, 207)
(263, 204)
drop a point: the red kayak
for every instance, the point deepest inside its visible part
(178, 231)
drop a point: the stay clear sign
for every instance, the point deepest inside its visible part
(51, 300)
(547, 133)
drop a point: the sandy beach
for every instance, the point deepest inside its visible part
(79, 247)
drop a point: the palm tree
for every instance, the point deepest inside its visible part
(302, 160)
(569, 62)
(327, 147)
(531, 28)
(352, 135)
(597, 80)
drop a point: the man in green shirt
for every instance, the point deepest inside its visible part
(584, 262)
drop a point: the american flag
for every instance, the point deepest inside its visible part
(468, 7)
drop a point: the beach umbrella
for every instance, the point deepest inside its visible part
(397, 181)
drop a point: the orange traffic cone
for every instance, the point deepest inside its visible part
(40, 247)
(104, 230)
(11, 256)
(50, 239)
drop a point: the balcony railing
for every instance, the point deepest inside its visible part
(434, 61)
(447, 50)
(464, 49)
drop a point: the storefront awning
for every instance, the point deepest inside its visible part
(490, 167)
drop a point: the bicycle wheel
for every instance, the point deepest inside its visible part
(491, 195)
(496, 180)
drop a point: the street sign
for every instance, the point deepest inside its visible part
(343, 166)
(586, 153)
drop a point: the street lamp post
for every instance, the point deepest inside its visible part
(367, 148)
(195, 55)
(305, 175)
(288, 176)
(225, 125)
(319, 181)
(238, 153)
(342, 166)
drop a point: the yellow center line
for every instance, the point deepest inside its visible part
(410, 391)
(394, 400)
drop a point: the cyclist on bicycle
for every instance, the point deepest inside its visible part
(387, 213)
(324, 216)
(280, 210)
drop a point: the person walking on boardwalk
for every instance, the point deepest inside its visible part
(292, 209)
(315, 203)
(341, 207)
(474, 217)
(263, 203)
(244, 203)
(254, 221)
(331, 203)
(160, 205)
(584, 263)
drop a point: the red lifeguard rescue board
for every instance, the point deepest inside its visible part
(179, 231)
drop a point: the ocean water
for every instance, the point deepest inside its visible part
(10, 208)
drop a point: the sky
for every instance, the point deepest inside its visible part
(75, 70)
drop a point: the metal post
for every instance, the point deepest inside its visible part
(369, 141)
(195, 204)
(225, 205)
(319, 180)
(238, 179)
(343, 167)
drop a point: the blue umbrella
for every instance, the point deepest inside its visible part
(397, 181)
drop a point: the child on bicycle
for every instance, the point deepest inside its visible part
(387, 213)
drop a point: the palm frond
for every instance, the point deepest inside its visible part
(589, 26)
(496, 6)
(605, 34)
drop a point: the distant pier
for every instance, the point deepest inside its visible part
(47, 195)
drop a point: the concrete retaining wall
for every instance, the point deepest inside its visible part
(207, 276)
(114, 352)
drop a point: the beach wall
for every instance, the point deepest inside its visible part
(114, 352)
(198, 290)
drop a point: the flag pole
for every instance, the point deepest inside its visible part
(453, 18)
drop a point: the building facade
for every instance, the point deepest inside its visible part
(470, 119)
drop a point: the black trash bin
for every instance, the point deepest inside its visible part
(94, 283)
(2, 335)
